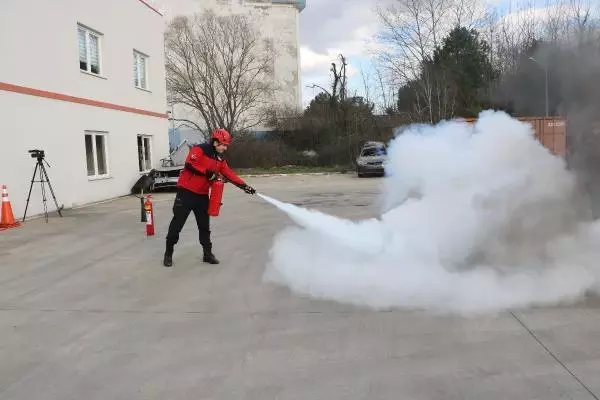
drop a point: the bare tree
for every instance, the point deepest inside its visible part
(366, 78)
(515, 34)
(376, 90)
(408, 40)
(583, 27)
(221, 67)
(412, 29)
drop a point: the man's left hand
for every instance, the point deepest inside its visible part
(248, 189)
(210, 175)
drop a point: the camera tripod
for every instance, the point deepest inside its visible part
(43, 179)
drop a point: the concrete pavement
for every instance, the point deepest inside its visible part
(88, 312)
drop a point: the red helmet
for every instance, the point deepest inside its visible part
(222, 136)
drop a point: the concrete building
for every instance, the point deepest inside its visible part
(84, 81)
(277, 20)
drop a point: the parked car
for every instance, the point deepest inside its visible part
(371, 159)
(164, 177)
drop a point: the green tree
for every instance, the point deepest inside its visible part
(334, 124)
(408, 99)
(462, 69)
(320, 105)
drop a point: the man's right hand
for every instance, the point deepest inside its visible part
(248, 189)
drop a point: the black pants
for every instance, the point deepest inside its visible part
(186, 202)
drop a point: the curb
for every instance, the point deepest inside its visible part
(291, 174)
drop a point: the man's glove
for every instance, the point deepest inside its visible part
(248, 189)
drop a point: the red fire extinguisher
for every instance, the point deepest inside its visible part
(149, 209)
(216, 195)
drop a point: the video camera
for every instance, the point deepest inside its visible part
(39, 154)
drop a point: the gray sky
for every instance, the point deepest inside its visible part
(330, 27)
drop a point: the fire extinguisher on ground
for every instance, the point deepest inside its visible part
(149, 210)
(216, 196)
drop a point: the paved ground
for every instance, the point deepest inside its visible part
(87, 312)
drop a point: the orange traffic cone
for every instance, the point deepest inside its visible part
(7, 219)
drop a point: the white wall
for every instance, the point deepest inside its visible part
(59, 128)
(284, 22)
(39, 48)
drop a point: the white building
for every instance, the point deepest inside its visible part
(84, 81)
(277, 20)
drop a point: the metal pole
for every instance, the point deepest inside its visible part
(546, 72)
(547, 110)
(173, 118)
(142, 213)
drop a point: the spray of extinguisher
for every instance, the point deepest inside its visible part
(149, 210)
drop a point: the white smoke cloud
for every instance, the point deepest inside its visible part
(477, 218)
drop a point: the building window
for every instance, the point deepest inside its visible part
(96, 154)
(144, 153)
(89, 50)
(140, 70)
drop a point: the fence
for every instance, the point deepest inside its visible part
(550, 131)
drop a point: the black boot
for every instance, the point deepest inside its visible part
(209, 257)
(168, 259)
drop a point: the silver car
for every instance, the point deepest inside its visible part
(371, 159)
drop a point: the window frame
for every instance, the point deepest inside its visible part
(379, 151)
(137, 57)
(151, 146)
(96, 175)
(99, 37)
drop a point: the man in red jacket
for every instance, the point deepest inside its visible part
(202, 165)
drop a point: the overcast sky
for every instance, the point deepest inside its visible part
(331, 27)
